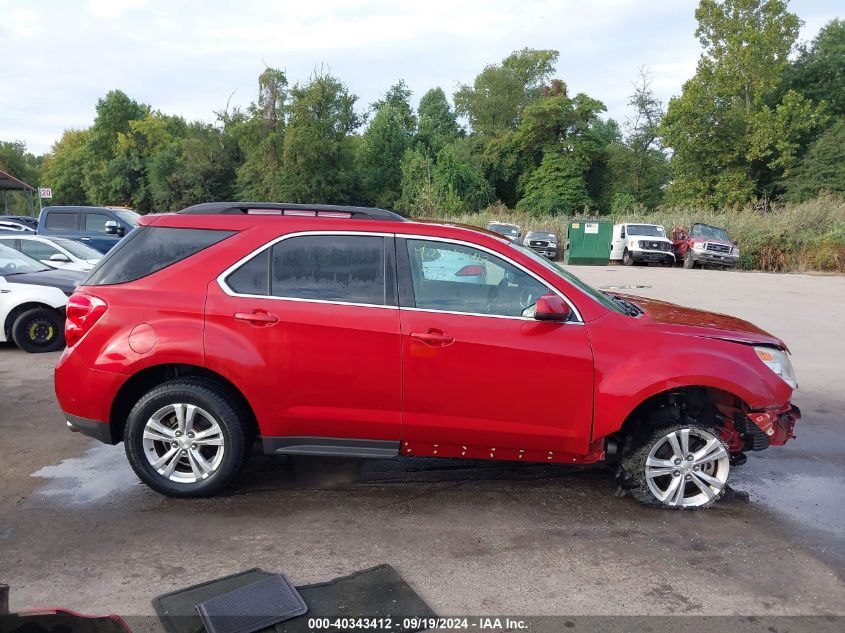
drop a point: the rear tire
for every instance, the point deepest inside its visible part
(39, 330)
(187, 438)
(657, 470)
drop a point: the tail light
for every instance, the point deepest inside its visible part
(82, 312)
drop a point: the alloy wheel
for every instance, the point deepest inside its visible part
(687, 468)
(183, 443)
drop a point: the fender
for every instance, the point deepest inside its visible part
(627, 376)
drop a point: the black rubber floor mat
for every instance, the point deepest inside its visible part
(252, 608)
(378, 592)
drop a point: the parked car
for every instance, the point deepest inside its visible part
(32, 301)
(13, 226)
(320, 331)
(54, 252)
(510, 231)
(634, 242)
(705, 244)
(98, 227)
(21, 219)
(543, 242)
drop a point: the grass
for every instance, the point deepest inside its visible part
(791, 238)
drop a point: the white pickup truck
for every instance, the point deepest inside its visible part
(635, 242)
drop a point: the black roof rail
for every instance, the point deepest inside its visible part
(256, 208)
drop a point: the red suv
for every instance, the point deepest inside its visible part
(348, 331)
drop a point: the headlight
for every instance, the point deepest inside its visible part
(735, 250)
(778, 361)
(698, 246)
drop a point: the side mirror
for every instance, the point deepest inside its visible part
(113, 228)
(550, 307)
(59, 257)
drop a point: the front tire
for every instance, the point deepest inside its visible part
(39, 330)
(680, 467)
(627, 258)
(689, 262)
(186, 438)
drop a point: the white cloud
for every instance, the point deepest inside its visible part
(113, 8)
(187, 57)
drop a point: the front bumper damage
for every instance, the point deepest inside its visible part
(757, 430)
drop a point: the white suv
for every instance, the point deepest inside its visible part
(56, 252)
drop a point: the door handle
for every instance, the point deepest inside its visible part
(257, 317)
(433, 337)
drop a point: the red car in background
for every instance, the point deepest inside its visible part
(704, 245)
(327, 330)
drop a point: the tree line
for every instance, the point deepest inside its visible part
(762, 120)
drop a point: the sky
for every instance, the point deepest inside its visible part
(192, 57)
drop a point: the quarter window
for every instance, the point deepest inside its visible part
(456, 278)
(347, 268)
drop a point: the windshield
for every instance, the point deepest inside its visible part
(12, 262)
(78, 249)
(650, 230)
(128, 216)
(541, 235)
(598, 295)
(705, 230)
(504, 229)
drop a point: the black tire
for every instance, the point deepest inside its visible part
(689, 262)
(215, 400)
(627, 258)
(39, 330)
(631, 473)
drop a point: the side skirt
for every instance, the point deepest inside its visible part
(330, 446)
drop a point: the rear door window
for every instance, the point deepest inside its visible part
(61, 221)
(336, 268)
(149, 249)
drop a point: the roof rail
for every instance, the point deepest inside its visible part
(284, 208)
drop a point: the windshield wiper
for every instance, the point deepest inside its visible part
(629, 308)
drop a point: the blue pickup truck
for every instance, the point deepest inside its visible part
(98, 227)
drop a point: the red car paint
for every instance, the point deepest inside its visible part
(441, 383)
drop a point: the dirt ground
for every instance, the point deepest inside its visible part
(78, 530)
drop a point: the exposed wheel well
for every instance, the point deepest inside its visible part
(707, 404)
(18, 310)
(139, 384)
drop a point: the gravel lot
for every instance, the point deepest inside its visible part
(78, 530)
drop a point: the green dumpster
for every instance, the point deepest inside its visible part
(588, 243)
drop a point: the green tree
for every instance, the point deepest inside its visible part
(746, 46)
(459, 177)
(318, 151)
(260, 134)
(819, 70)
(557, 186)
(499, 94)
(380, 154)
(419, 195)
(399, 97)
(438, 125)
(823, 167)
(65, 166)
(107, 179)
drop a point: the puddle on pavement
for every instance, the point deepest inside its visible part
(95, 476)
(816, 500)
